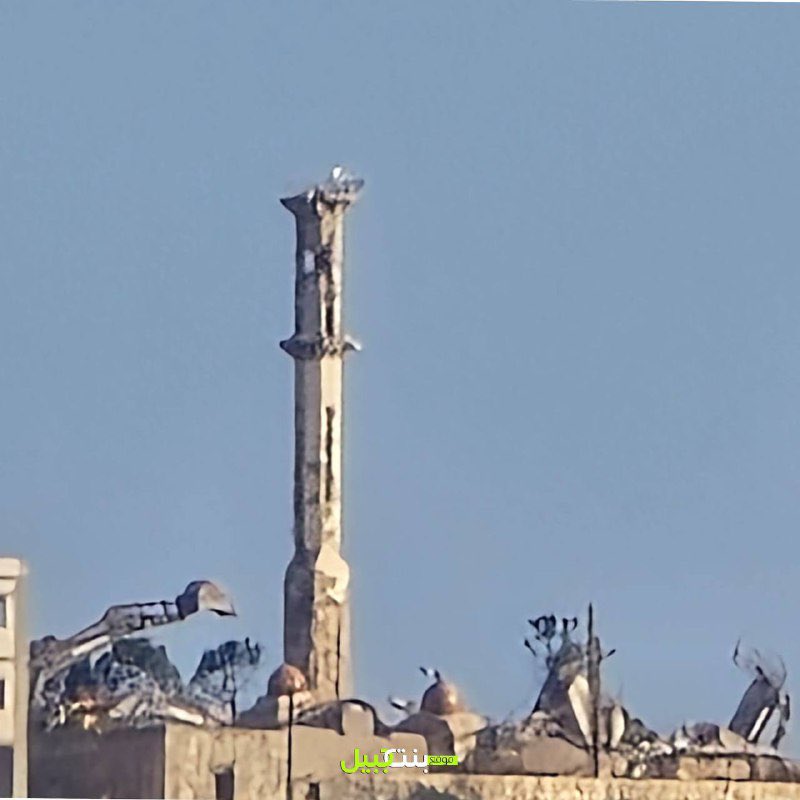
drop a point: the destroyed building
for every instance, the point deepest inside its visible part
(110, 716)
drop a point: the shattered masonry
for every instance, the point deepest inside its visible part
(102, 674)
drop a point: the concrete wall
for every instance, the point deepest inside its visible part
(259, 759)
(180, 762)
(193, 756)
(497, 787)
(76, 763)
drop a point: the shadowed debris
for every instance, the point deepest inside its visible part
(565, 696)
(103, 675)
(763, 698)
(221, 675)
(559, 737)
(135, 684)
(567, 711)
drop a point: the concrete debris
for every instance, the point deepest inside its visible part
(565, 695)
(221, 675)
(105, 677)
(102, 675)
(763, 698)
(49, 655)
(135, 685)
(341, 185)
(533, 746)
(407, 707)
(538, 746)
(558, 736)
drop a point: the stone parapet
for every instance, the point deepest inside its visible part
(523, 787)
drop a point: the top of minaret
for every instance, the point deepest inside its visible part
(340, 188)
(342, 182)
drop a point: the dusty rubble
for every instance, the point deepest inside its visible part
(109, 675)
(570, 732)
(104, 676)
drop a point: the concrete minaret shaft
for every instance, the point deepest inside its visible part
(316, 635)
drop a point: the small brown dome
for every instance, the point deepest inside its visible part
(287, 679)
(441, 698)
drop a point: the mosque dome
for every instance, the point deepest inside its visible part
(287, 679)
(441, 698)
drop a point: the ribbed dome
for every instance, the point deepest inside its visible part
(287, 679)
(441, 698)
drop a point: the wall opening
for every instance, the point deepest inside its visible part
(313, 791)
(6, 771)
(3, 612)
(330, 412)
(327, 290)
(2, 694)
(224, 784)
(329, 319)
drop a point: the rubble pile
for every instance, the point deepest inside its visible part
(704, 751)
(539, 746)
(572, 731)
(134, 684)
(106, 676)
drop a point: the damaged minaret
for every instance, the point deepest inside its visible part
(316, 615)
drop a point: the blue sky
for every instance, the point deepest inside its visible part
(574, 272)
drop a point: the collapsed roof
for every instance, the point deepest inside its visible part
(566, 707)
(107, 675)
(102, 674)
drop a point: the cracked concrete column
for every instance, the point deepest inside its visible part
(316, 636)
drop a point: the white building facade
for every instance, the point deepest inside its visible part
(13, 679)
